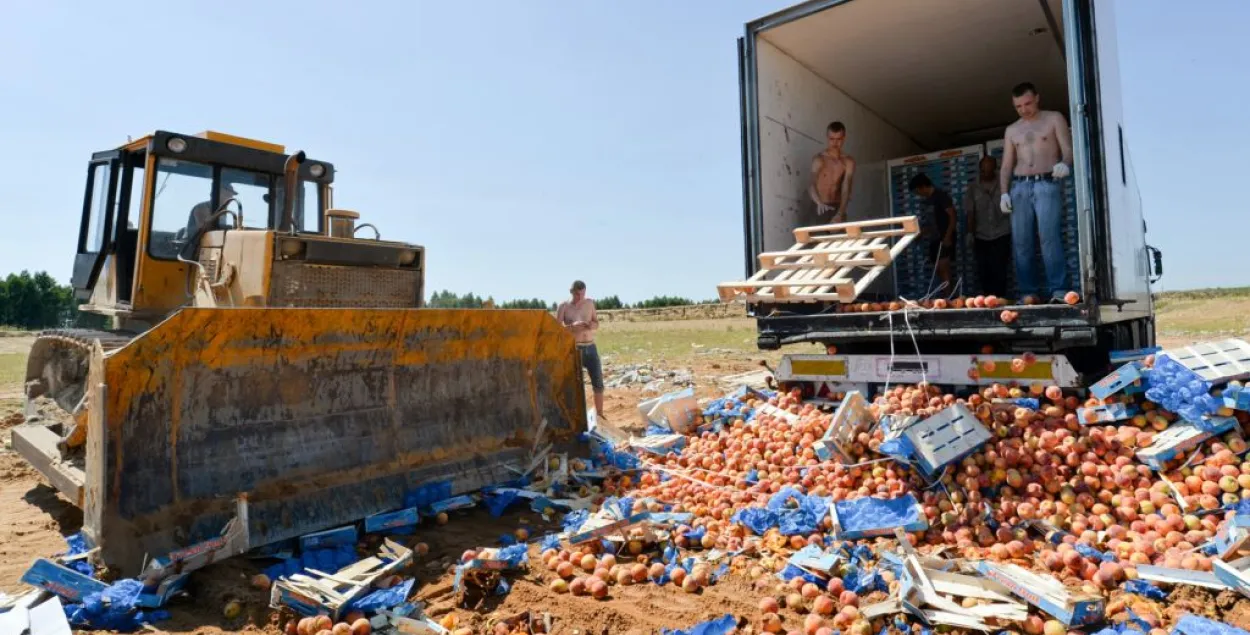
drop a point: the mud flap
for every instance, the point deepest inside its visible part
(320, 416)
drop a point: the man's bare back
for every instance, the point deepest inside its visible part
(1039, 143)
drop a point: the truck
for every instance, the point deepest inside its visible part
(926, 87)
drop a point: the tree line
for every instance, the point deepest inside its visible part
(37, 301)
(450, 300)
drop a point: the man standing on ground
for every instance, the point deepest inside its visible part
(989, 229)
(832, 174)
(577, 314)
(937, 225)
(1037, 156)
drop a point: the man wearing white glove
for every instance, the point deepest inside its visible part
(1037, 153)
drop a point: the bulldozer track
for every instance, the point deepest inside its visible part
(68, 350)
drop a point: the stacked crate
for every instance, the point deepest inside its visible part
(1071, 241)
(950, 171)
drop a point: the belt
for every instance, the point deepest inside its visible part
(585, 344)
(1033, 177)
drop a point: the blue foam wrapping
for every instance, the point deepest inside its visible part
(1196, 625)
(900, 448)
(868, 516)
(497, 502)
(550, 541)
(1180, 390)
(1146, 589)
(863, 581)
(721, 626)
(1090, 552)
(78, 545)
(791, 572)
(753, 477)
(696, 534)
(857, 553)
(575, 519)
(514, 555)
(1028, 402)
(602, 449)
(507, 540)
(792, 521)
(625, 506)
(503, 588)
(379, 599)
(1134, 624)
(670, 554)
(114, 608)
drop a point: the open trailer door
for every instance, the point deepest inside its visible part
(1118, 232)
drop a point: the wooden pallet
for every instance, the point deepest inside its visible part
(827, 263)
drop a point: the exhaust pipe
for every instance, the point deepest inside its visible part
(290, 171)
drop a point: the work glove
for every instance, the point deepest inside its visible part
(1004, 203)
(1060, 170)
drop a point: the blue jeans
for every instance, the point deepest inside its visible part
(1037, 209)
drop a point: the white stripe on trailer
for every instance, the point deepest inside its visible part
(939, 369)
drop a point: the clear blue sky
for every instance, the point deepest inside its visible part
(529, 143)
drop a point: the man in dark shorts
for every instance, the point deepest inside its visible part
(937, 225)
(578, 315)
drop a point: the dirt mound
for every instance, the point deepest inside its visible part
(11, 420)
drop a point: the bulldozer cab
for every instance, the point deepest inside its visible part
(149, 203)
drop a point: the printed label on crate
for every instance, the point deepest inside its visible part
(1107, 413)
(1180, 437)
(1118, 380)
(1072, 610)
(609, 529)
(61, 580)
(454, 503)
(392, 520)
(282, 595)
(330, 538)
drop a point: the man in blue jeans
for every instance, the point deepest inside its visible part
(1037, 155)
(579, 317)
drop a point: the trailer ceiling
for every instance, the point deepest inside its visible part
(940, 72)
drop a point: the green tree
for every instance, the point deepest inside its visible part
(609, 303)
(533, 303)
(661, 301)
(38, 302)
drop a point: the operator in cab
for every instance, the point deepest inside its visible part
(200, 213)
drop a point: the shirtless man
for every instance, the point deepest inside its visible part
(1037, 156)
(832, 173)
(577, 314)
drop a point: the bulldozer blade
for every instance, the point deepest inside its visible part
(316, 417)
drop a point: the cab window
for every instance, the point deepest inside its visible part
(185, 199)
(183, 192)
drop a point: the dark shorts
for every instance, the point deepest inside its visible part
(590, 361)
(934, 253)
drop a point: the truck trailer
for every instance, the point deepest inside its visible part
(925, 87)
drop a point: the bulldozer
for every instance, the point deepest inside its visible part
(265, 350)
